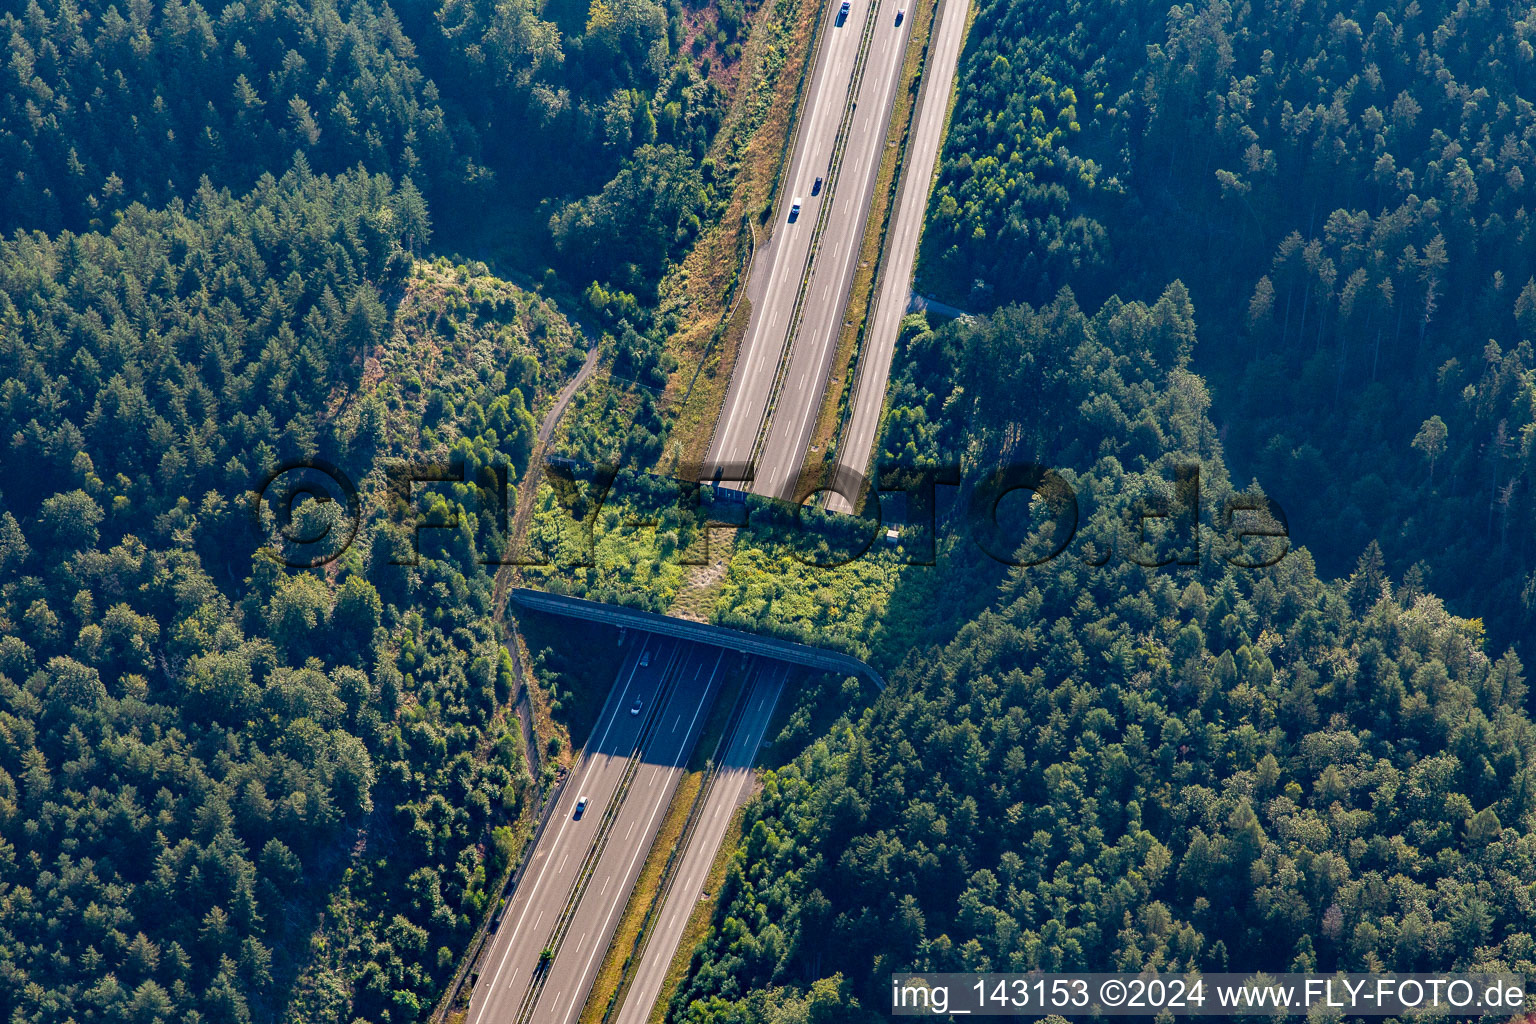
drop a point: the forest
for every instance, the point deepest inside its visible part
(1289, 243)
(182, 757)
(232, 791)
(1343, 189)
(1112, 767)
(484, 107)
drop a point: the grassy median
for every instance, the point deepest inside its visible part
(708, 747)
(871, 250)
(698, 921)
(616, 962)
(609, 986)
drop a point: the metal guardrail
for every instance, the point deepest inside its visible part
(823, 215)
(684, 840)
(877, 279)
(491, 921)
(779, 190)
(595, 851)
(900, 183)
(743, 273)
(698, 632)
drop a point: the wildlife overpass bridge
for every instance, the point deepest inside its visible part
(698, 632)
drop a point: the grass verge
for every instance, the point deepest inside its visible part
(698, 921)
(752, 148)
(770, 753)
(609, 986)
(714, 726)
(871, 249)
(574, 665)
(616, 962)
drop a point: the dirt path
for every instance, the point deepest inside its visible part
(552, 418)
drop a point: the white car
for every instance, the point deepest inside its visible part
(645, 659)
(634, 708)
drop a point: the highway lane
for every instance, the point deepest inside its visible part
(541, 895)
(667, 749)
(730, 789)
(905, 232)
(793, 418)
(779, 266)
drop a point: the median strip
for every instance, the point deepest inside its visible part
(650, 890)
(595, 850)
(824, 208)
(872, 250)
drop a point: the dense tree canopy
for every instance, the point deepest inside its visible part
(1343, 188)
(480, 105)
(646, 214)
(235, 791)
(107, 106)
(1111, 767)
(192, 741)
(231, 790)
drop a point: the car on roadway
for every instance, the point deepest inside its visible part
(581, 808)
(634, 708)
(901, 12)
(794, 210)
(842, 12)
(645, 659)
(816, 187)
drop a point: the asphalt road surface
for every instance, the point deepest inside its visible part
(903, 235)
(671, 740)
(779, 266)
(793, 418)
(731, 787)
(541, 895)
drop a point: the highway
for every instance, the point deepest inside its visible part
(778, 269)
(729, 790)
(905, 231)
(835, 261)
(529, 919)
(779, 382)
(671, 740)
